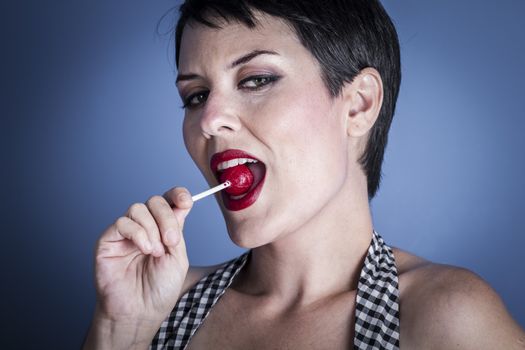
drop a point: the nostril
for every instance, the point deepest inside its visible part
(217, 120)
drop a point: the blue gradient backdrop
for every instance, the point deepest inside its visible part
(91, 123)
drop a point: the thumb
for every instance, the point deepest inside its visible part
(183, 204)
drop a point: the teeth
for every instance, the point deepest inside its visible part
(234, 162)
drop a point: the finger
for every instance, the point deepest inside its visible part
(179, 197)
(125, 228)
(139, 212)
(181, 203)
(165, 218)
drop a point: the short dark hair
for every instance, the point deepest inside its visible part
(345, 36)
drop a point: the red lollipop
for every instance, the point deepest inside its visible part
(241, 179)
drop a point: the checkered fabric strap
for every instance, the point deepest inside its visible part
(194, 306)
(376, 315)
(377, 302)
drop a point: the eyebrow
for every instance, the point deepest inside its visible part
(248, 57)
(241, 60)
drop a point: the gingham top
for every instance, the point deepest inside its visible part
(376, 311)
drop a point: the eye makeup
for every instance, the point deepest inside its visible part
(258, 81)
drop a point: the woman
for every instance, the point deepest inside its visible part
(295, 99)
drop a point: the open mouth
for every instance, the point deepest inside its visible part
(245, 172)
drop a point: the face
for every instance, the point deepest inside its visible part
(261, 92)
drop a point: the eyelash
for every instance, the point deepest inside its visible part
(268, 79)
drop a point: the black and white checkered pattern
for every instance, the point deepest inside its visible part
(377, 302)
(194, 306)
(376, 315)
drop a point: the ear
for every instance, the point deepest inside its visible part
(364, 97)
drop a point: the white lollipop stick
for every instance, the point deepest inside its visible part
(211, 191)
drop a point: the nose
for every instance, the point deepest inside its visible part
(219, 117)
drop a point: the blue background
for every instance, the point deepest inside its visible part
(91, 123)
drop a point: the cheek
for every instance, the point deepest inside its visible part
(307, 142)
(194, 142)
(187, 136)
(303, 127)
(308, 151)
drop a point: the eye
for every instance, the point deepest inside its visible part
(257, 82)
(195, 100)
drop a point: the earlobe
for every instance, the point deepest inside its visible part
(365, 97)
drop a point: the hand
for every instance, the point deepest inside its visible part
(141, 260)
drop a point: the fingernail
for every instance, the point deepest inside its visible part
(148, 246)
(183, 197)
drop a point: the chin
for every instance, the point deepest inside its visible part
(248, 235)
(247, 228)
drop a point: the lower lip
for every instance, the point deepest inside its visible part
(244, 202)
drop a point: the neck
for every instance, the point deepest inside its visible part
(322, 258)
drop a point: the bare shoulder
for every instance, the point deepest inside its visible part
(446, 307)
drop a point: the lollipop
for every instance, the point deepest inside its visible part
(236, 180)
(240, 177)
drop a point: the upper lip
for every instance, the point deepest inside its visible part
(230, 154)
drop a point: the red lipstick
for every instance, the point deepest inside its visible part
(224, 162)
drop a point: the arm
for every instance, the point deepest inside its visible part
(141, 268)
(105, 333)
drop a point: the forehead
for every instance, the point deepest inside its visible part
(201, 44)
